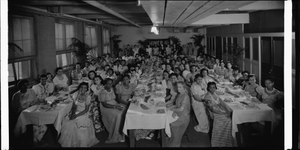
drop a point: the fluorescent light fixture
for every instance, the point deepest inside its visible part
(139, 3)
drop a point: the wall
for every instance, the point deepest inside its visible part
(130, 35)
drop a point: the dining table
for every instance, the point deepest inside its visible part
(245, 108)
(147, 110)
(52, 111)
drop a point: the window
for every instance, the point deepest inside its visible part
(213, 46)
(235, 44)
(208, 44)
(255, 48)
(91, 39)
(21, 49)
(247, 48)
(64, 32)
(106, 40)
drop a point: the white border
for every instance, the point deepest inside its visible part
(4, 76)
(288, 74)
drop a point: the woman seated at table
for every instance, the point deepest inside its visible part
(25, 98)
(251, 85)
(235, 75)
(60, 80)
(181, 108)
(191, 76)
(229, 70)
(77, 128)
(112, 113)
(221, 71)
(198, 91)
(125, 90)
(76, 74)
(178, 72)
(222, 126)
(205, 77)
(94, 111)
(242, 81)
(91, 76)
(134, 77)
(173, 89)
(269, 95)
(43, 89)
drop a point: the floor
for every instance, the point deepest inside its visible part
(196, 139)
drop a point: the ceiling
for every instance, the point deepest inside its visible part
(163, 13)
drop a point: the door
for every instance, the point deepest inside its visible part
(272, 50)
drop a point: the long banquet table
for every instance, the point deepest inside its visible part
(37, 115)
(149, 95)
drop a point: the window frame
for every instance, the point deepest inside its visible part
(66, 50)
(31, 58)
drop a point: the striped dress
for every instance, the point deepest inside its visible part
(222, 126)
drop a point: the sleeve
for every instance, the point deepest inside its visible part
(55, 81)
(35, 89)
(66, 79)
(259, 90)
(15, 102)
(193, 90)
(34, 97)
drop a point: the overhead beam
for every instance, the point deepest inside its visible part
(53, 3)
(108, 10)
(264, 5)
(218, 19)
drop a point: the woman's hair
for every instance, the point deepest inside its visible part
(81, 84)
(104, 82)
(111, 70)
(173, 74)
(197, 76)
(251, 75)
(42, 76)
(269, 78)
(209, 84)
(89, 74)
(201, 71)
(21, 83)
(97, 76)
(124, 76)
(246, 72)
(58, 68)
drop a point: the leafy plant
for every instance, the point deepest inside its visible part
(236, 52)
(175, 40)
(115, 43)
(143, 43)
(197, 39)
(82, 51)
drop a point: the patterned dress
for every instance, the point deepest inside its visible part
(95, 110)
(222, 125)
(80, 131)
(251, 89)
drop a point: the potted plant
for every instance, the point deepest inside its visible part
(115, 44)
(82, 51)
(197, 39)
(236, 52)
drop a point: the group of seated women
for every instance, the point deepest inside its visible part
(106, 84)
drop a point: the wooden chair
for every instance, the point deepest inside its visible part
(210, 119)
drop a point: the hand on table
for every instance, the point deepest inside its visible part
(174, 114)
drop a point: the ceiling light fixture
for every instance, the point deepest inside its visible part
(154, 30)
(139, 3)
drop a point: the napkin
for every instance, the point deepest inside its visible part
(169, 116)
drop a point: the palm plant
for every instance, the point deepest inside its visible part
(197, 39)
(236, 53)
(82, 51)
(115, 44)
(175, 40)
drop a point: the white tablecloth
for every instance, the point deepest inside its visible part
(138, 118)
(242, 114)
(33, 115)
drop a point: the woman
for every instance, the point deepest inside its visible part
(134, 77)
(110, 74)
(24, 98)
(177, 71)
(60, 80)
(125, 90)
(221, 71)
(186, 71)
(172, 86)
(94, 111)
(149, 50)
(222, 126)
(91, 76)
(112, 113)
(182, 110)
(251, 86)
(76, 74)
(269, 95)
(205, 77)
(229, 70)
(77, 128)
(198, 92)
